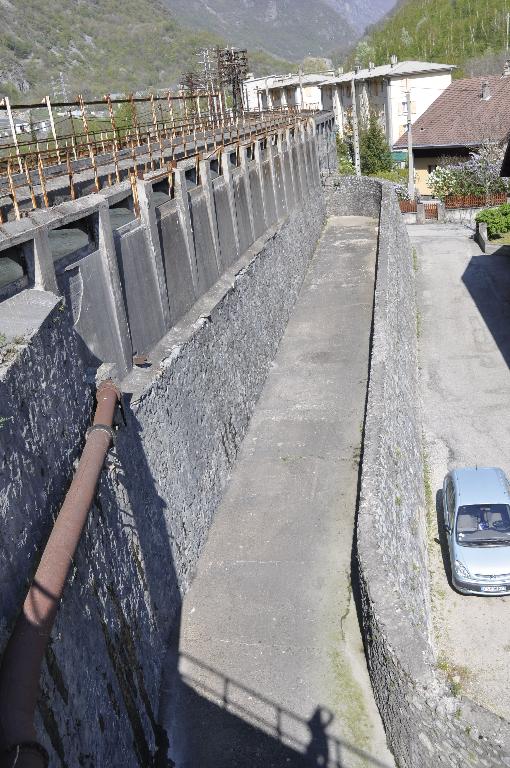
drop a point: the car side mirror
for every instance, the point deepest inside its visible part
(447, 528)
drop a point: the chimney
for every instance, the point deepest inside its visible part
(340, 71)
(371, 65)
(486, 91)
(506, 68)
(357, 68)
(393, 60)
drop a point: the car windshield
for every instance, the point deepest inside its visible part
(479, 524)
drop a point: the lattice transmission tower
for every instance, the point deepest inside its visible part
(232, 64)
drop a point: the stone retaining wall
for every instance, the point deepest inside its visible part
(186, 416)
(426, 725)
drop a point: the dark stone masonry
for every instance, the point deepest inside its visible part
(186, 416)
(426, 725)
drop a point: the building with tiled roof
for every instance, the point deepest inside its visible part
(382, 91)
(467, 114)
(283, 91)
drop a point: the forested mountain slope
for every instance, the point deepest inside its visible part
(469, 33)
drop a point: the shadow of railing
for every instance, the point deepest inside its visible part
(224, 723)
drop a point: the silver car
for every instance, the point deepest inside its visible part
(476, 506)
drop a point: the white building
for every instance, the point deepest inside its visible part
(284, 91)
(382, 90)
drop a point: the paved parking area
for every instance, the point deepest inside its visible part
(464, 322)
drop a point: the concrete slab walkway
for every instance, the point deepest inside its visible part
(269, 668)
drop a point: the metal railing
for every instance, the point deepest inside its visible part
(140, 147)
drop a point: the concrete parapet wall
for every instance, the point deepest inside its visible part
(117, 275)
(186, 416)
(349, 196)
(426, 725)
(466, 216)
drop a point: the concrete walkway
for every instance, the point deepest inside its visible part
(464, 300)
(269, 668)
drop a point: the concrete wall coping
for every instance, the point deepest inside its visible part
(138, 380)
(22, 315)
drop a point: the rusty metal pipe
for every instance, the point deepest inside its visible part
(22, 660)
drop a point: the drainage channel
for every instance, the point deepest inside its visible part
(267, 664)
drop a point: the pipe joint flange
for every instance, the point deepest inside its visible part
(102, 428)
(17, 750)
(109, 384)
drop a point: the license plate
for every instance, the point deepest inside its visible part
(494, 588)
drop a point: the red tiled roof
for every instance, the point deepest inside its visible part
(460, 117)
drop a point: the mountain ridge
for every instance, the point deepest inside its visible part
(111, 45)
(291, 29)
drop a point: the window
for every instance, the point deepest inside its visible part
(483, 524)
(450, 500)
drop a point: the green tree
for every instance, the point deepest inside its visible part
(344, 154)
(374, 151)
(364, 53)
(468, 33)
(312, 65)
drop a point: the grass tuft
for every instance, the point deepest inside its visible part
(457, 675)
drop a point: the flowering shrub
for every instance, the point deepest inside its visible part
(442, 182)
(477, 176)
(402, 192)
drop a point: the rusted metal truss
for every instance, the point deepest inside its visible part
(129, 136)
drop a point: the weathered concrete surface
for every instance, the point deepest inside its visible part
(464, 302)
(269, 623)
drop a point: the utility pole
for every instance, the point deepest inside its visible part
(410, 183)
(355, 129)
(507, 31)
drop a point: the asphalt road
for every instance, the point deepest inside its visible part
(464, 302)
(267, 669)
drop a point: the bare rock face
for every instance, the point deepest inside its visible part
(291, 29)
(15, 76)
(362, 13)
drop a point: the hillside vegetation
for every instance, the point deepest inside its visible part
(469, 33)
(111, 45)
